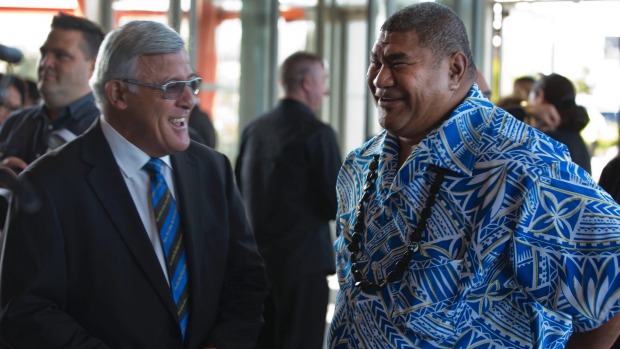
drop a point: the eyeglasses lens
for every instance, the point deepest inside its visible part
(174, 90)
(195, 85)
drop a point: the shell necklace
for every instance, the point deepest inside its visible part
(355, 245)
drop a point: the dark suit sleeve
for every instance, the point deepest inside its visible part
(33, 291)
(610, 180)
(239, 161)
(325, 162)
(240, 309)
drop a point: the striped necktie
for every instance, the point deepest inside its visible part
(167, 218)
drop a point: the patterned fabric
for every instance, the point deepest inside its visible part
(167, 218)
(522, 247)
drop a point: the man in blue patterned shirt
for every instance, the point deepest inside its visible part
(460, 226)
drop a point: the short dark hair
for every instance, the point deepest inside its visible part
(295, 67)
(525, 78)
(32, 92)
(438, 28)
(93, 34)
(558, 90)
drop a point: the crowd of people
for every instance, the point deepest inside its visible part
(462, 224)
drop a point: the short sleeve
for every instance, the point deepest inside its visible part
(567, 247)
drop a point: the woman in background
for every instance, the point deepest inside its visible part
(554, 96)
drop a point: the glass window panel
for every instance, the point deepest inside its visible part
(28, 41)
(228, 5)
(355, 89)
(294, 36)
(301, 3)
(151, 5)
(351, 2)
(225, 110)
(58, 4)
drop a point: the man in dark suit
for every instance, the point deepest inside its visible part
(286, 170)
(96, 266)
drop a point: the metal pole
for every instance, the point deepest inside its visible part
(193, 33)
(370, 40)
(175, 14)
(272, 55)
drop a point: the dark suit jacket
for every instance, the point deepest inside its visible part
(610, 179)
(286, 170)
(82, 273)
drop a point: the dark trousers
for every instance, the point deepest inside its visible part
(295, 314)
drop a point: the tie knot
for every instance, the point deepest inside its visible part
(153, 166)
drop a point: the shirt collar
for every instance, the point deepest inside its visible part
(72, 111)
(454, 145)
(129, 158)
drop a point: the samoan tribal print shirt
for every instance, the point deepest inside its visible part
(521, 248)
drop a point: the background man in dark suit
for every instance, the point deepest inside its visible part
(286, 170)
(89, 269)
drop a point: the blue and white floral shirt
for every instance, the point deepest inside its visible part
(522, 247)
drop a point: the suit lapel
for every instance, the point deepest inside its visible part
(198, 227)
(188, 184)
(111, 190)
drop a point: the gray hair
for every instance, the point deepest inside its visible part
(121, 49)
(438, 28)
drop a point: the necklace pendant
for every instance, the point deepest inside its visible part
(414, 246)
(368, 287)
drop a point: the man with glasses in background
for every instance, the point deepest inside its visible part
(68, 109)
(141, 240)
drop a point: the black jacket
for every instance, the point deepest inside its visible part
(574, 119)
(25, 134)
(286, 170)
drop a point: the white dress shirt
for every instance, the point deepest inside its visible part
(130, 160)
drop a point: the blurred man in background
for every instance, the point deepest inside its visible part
(68, 109)
(286, 170)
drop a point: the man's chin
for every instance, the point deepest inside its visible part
(48, 91)
(389, 121)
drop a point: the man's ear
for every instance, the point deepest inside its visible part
(306, 84)
(116, 93)
(458, 67)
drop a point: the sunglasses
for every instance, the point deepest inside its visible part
(172, 89)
